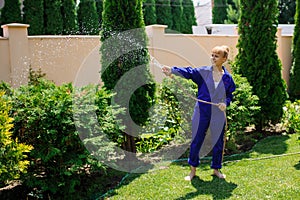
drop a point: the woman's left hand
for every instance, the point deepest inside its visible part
(222, 106)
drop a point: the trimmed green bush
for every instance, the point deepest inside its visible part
(58, 122)
(240, 114)
(13, 155)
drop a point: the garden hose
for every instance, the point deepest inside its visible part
(206, 158)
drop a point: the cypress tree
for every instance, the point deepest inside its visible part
(34, 16)
(149, 12)
(257, 58)
(164, 12)
(88, 17)
(123, 50)
(99, 8)
(11, 12)
(294, 86)
(52, 17)
(177, 14)
(287, 9)
(68, 11)
(188, 19)
(233, 12)
(219, 13)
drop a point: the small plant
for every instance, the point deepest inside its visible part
(13, 154)
(291, 116)
(240, 113)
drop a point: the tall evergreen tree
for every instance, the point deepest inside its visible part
(52, 17)
(88, 17)
(188, 19)
(68, 11)
(124, 48)
(11, 12)
(164, 12)
(149, 12)
(34, 16)
(257, 58)
(177, 14)
(287, 9)
(294, 86)
(99, 8)
(219, 11)
(233, 12)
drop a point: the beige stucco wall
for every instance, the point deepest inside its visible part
(76, 59)
(4, 60)
(63, 57)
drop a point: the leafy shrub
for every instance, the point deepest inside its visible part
(291, 116)
(59, 131)
(13, 156)
(243, 108)
(175, 108)
(170, 117)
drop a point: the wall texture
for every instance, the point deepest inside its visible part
(76, 59)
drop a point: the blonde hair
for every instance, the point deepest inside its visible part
(221, 50)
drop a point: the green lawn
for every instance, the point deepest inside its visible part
(271, 170)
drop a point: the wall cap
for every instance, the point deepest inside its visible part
(15, 25)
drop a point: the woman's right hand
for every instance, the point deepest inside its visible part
(167, 70)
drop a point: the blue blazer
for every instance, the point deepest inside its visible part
(203, 77)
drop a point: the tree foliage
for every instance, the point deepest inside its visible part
(257, 58)
(177, 14)
(125, 58)
(88, 19)
(233, 12)
(149, 12)
(188, 19)
(294, 87)
(12, 153)
(287, 9)
(99, 8)
(11, 12)
(69, 16)
(164, 12)
(33, 14)
(219, 13)
(52, 17)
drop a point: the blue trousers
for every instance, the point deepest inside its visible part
(208, 131)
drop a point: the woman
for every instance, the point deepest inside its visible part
(215, 85)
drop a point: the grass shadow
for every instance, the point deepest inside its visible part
(218, 188)
(297, 166)
(272, 145)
